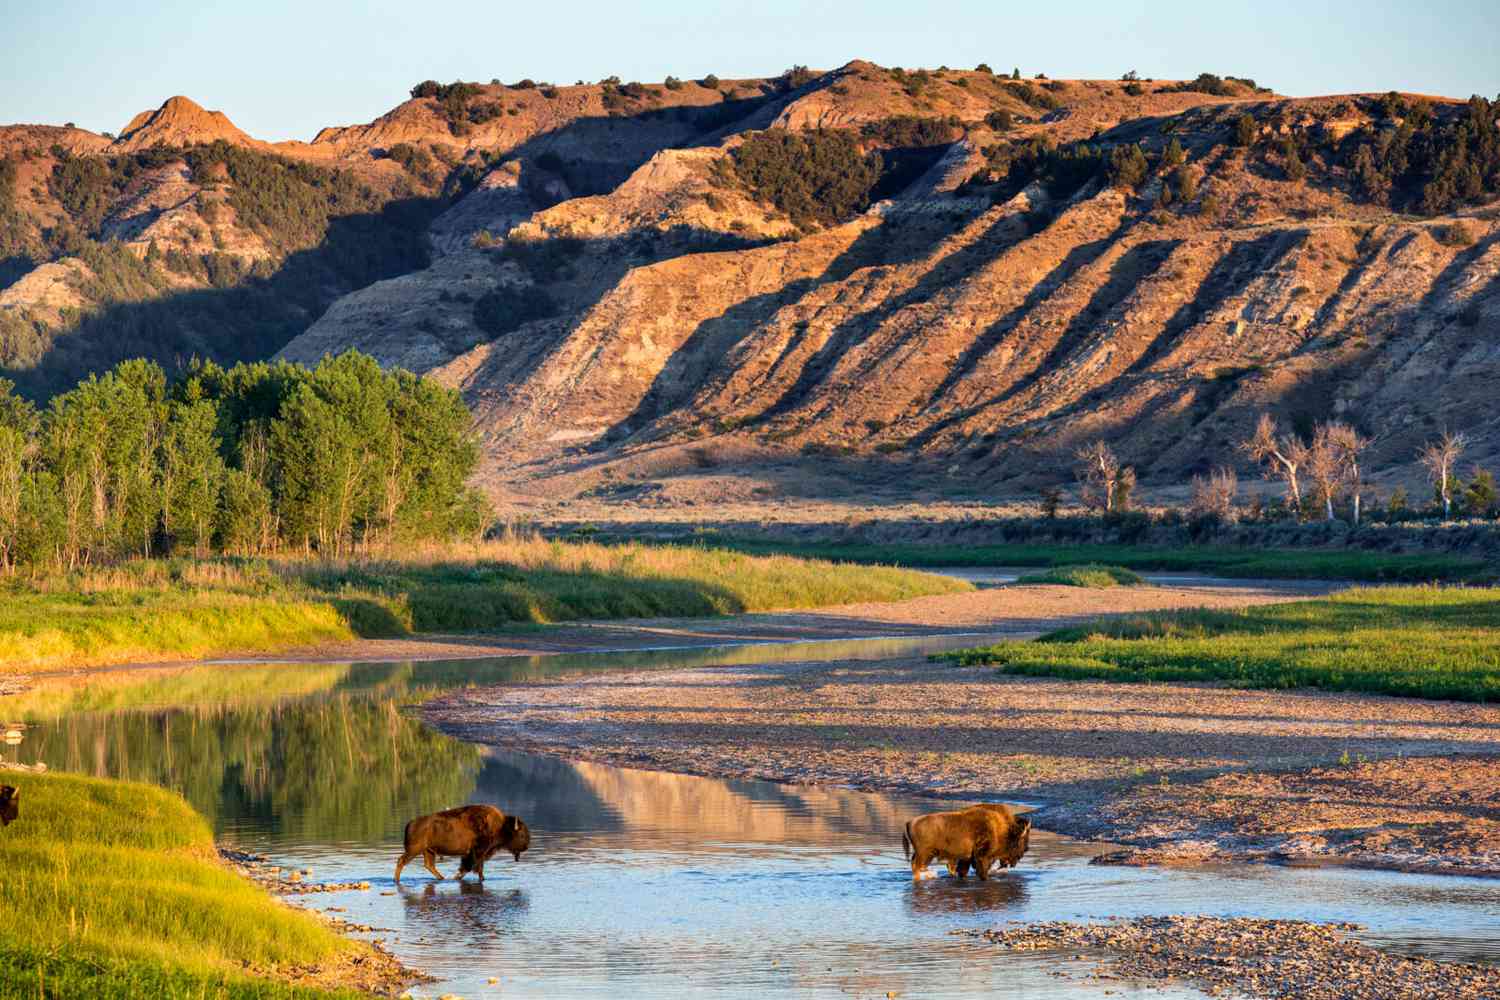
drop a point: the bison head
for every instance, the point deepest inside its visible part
(1017, 843)
(9, 796)
(515, 836)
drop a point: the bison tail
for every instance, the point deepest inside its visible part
(906, 845)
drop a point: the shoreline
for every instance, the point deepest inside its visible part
(1175, 775)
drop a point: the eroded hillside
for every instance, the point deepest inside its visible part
(956, 274)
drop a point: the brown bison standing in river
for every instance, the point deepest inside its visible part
(472, 833)
(974, 837)
(9, 796)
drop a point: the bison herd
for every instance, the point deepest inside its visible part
(978, 837)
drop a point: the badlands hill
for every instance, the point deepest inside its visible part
(946, 274)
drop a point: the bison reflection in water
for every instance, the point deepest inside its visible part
(473, 833)
(938, 898)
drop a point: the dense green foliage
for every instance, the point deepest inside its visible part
(1090, 575)
(155, 609)
(122, 898)
(1420, 642)
(1434, 160)
(247, 458)
(817, 178)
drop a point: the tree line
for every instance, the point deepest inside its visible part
(1323, 475)
(244, 460)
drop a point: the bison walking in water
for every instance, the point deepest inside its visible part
(9, 796)
(472, 833)
(975, 837)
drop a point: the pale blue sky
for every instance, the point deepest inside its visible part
(282, 69)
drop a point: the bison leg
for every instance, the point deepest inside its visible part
(982, 868)
(429, 859)
(401, 863)
(963, 868)
(920, 859)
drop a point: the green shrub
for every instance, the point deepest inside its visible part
(819, 177)
(509, 307)
(1090, 575)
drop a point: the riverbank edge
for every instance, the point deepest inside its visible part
(1074, 818)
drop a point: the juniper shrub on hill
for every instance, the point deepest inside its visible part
(817, 178)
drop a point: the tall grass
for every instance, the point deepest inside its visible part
(160, 609)
(1425, 642)
(112, 888)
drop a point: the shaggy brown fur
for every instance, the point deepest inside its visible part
(976, 837)
(472, 833)
(9, 796)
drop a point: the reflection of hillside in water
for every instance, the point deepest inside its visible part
(650, 808)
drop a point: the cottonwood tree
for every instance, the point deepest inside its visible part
(1283, 456)
(1325, 468)
(1439, 458)
(12, 457)
(1104, 484)
(193, 473)
(1347, 444)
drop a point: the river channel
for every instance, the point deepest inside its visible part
(642, 883)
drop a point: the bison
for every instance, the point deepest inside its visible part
(975, 837)
(472, 833)
(9, 796)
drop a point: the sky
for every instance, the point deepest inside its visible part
(282, 69)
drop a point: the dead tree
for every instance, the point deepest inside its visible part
(1325, 468)
(1439, 458)
(1347, 444)
(1103, 483)
(1214, 494)
(1283, 457)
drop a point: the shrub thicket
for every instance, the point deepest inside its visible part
(508, 307)
(820, 177)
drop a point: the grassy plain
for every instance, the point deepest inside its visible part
(115, 891)
(1239, 563)
(178, 609)
(1424, 642)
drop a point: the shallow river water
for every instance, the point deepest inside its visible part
(641, 883)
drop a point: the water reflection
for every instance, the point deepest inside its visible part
(645, 883)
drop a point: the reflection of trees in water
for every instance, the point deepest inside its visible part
(468, 913)
(336, 768)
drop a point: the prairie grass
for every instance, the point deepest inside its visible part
(1240, 563)
(176, 609)
(118, 893)
(1089, 575)
(1424, 642)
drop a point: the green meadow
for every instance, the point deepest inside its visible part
(114, 890)
(1423, 642)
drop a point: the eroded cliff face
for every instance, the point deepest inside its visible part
(976, 337)
(611, 297)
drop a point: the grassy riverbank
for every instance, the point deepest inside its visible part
(116, 892)
(1425, 642)
(180, 609)
(1239, 563)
